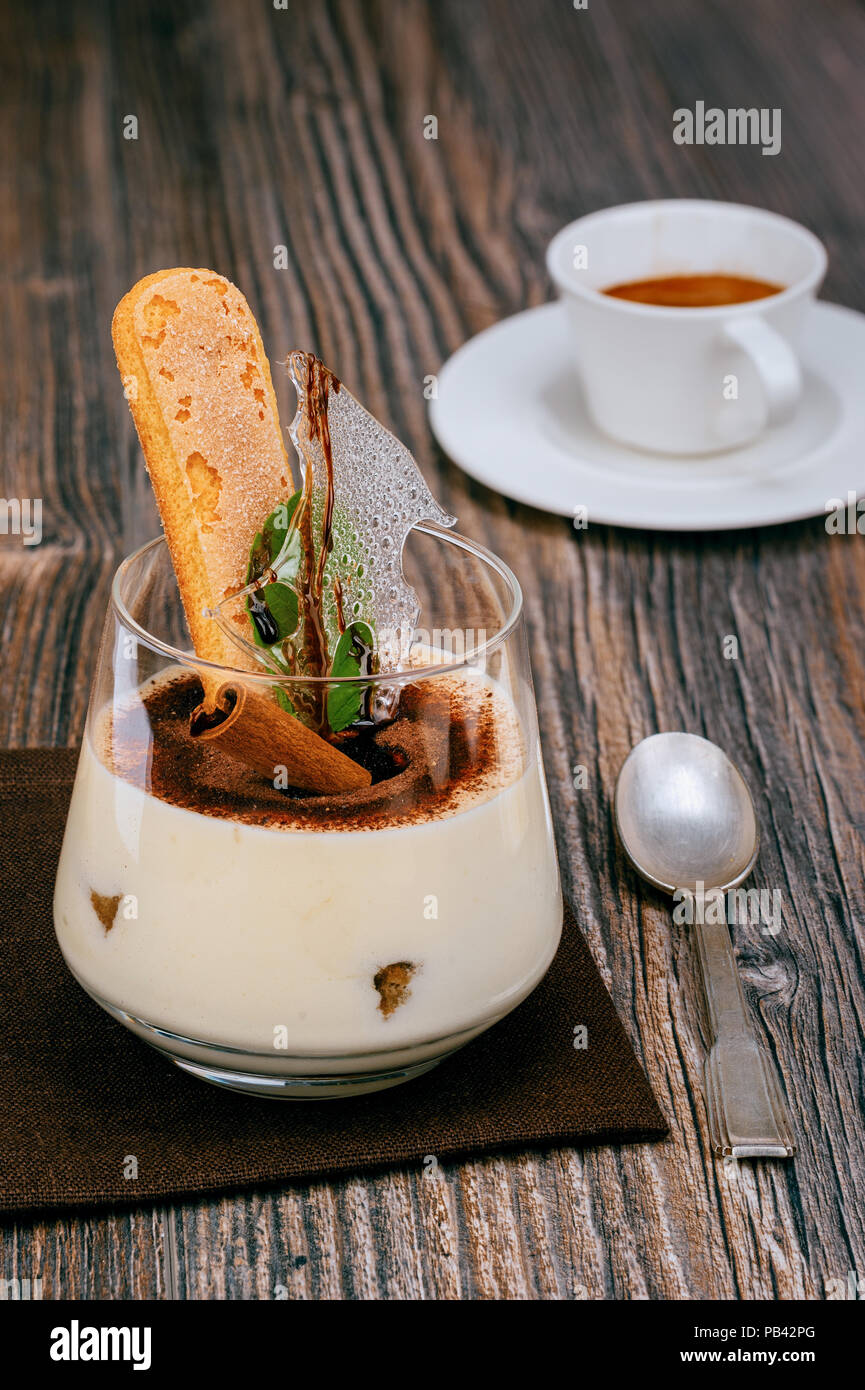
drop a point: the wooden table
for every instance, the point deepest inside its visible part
(259, 128)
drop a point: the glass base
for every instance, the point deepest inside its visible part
(302, 1087)
(289, 1078)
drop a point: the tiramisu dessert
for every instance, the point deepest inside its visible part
(309, 853)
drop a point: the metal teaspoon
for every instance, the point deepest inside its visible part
(685, 816)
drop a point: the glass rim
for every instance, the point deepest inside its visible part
(263, 677)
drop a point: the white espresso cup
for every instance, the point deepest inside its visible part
(683, 380)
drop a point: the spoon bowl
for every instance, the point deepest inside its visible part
(685, 815)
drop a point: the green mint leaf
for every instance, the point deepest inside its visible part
(283, 701)
(279, 600)
(352, 657)
(275, 615)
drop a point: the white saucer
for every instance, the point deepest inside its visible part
(510, 412)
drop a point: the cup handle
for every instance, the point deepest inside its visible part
(775, 363)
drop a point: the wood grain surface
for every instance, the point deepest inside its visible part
(304, 128)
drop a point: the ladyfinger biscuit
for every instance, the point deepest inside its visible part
(198, 383)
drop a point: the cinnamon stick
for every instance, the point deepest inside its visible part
(250, 726)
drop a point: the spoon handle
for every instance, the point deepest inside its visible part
(748, 1116)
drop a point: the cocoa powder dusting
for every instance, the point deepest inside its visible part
(454, 743)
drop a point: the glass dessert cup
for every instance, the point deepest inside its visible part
(301, 944)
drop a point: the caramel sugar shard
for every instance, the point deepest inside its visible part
(377, 493)
(362, 493)
(392, 983)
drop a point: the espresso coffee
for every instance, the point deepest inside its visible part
(694, 291)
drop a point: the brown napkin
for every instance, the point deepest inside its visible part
(78, 1093)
